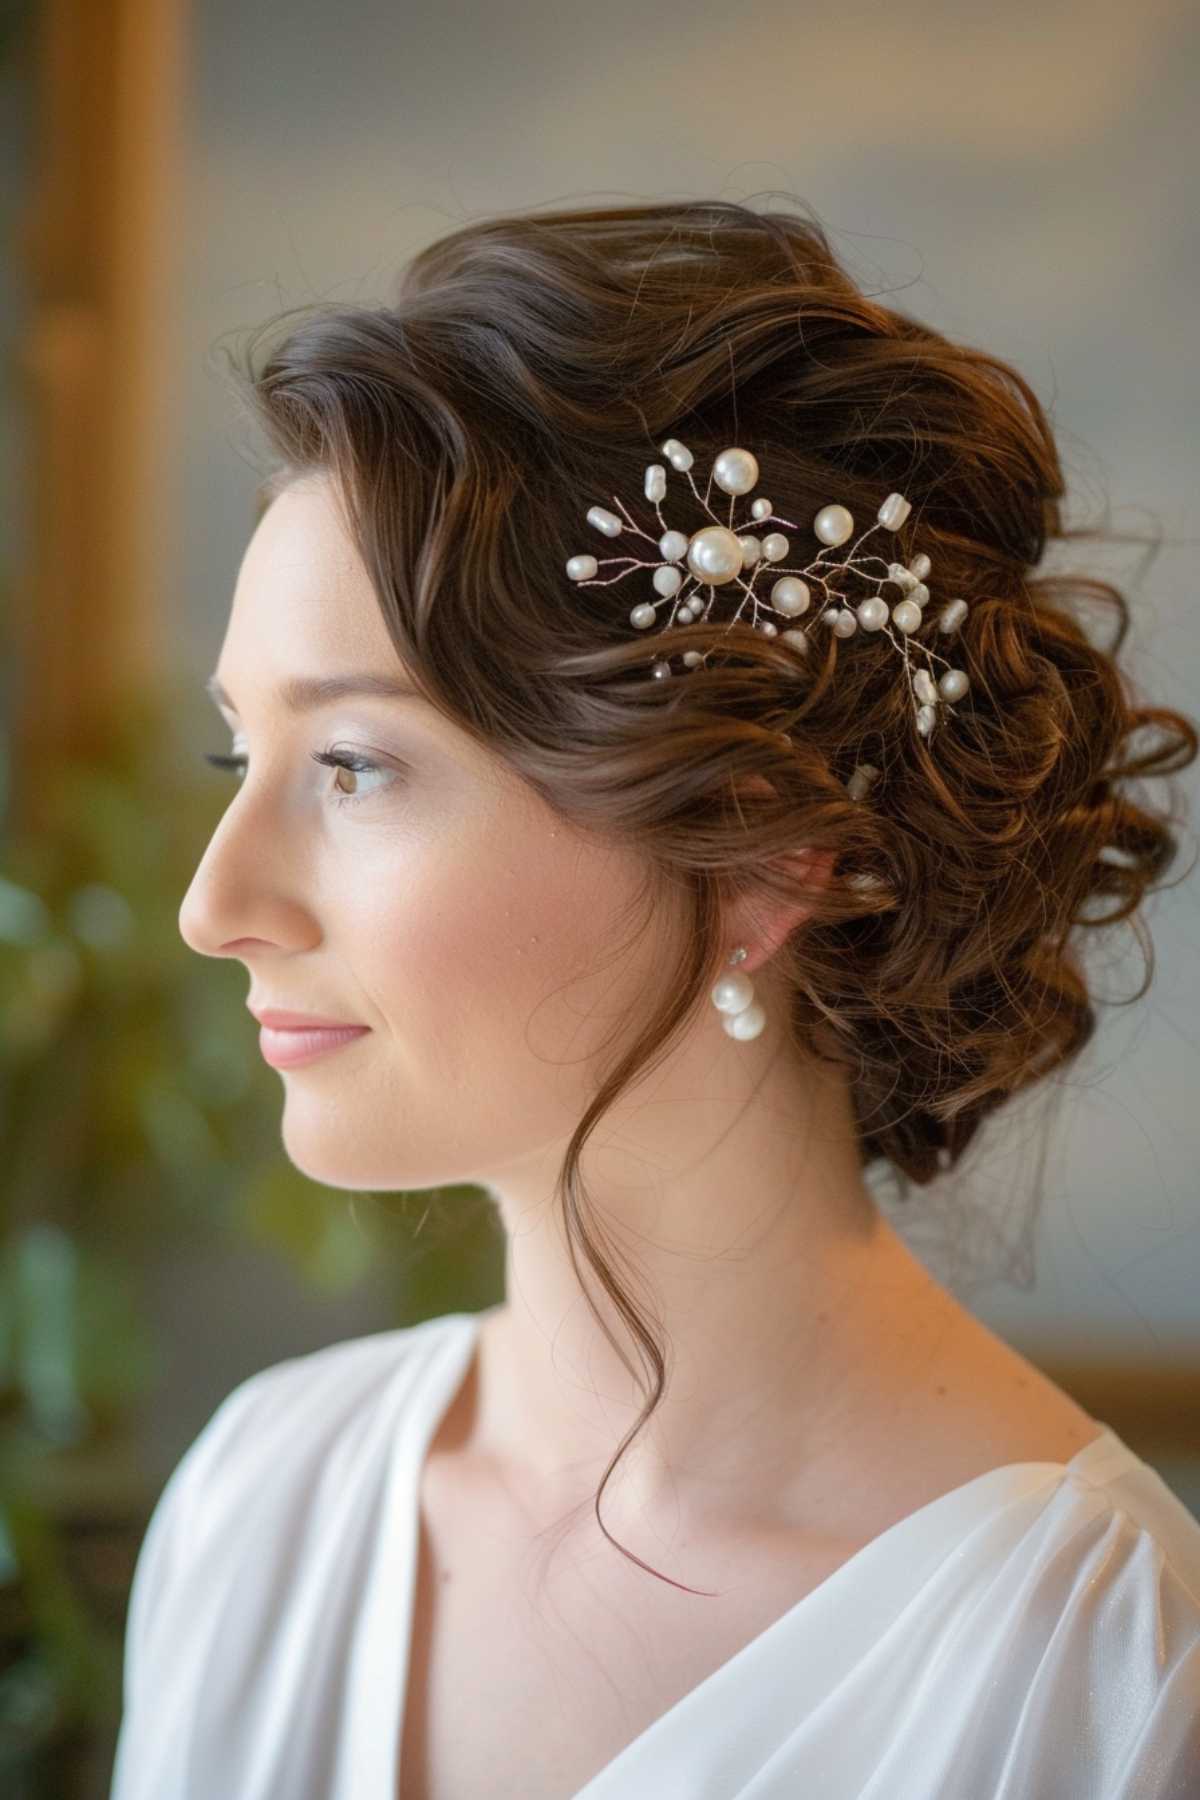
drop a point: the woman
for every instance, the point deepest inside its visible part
(668, 902)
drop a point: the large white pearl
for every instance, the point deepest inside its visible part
(656, 481)
(907, 615)
(790, 595)
(873, 613)
(678, 455)
(604, 521)
(774, 546)
(714, 555)
(833, 525)
(732, 993)
(736, 471)
(953, 684)
(673, 545)
(745, 1024)
(667, 581)
(581, 568)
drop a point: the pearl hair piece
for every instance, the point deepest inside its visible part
(724, 552)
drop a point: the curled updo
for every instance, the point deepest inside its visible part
(530, 366)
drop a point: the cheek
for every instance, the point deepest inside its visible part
(497, 955)
(494, 959)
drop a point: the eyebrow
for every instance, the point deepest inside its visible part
(304, 693)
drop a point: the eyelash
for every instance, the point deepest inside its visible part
(334, 759)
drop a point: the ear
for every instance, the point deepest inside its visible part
(761, 924)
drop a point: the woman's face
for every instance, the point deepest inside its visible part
(435, 898)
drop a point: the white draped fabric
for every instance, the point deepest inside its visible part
(1031, 1635)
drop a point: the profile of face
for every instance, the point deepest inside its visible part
(433, 897)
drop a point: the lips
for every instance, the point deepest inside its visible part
(285, 1049)
(296, 1021)
(287, 1039)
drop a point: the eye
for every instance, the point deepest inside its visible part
(356, 765)
(336, 759)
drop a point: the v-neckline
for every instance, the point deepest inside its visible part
(382, 1659)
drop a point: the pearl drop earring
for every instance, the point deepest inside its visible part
(733, 996)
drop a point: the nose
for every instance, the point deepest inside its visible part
(242, 896)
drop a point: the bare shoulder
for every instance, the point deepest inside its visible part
(991, 1405)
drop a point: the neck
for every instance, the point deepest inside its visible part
(790, 1313)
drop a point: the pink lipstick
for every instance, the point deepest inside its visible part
(288, 1039)
(288, 1049)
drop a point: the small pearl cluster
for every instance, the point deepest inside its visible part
(723, 552)
(733, 996)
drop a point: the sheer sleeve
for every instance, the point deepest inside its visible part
(1110, 1642)
(1143, 1664)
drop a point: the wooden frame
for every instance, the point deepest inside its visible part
(100, 243)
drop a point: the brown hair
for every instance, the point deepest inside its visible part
(529, 367)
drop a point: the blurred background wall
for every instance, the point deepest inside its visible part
(174, 172)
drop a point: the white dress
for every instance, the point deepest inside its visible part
(1032, 1635)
